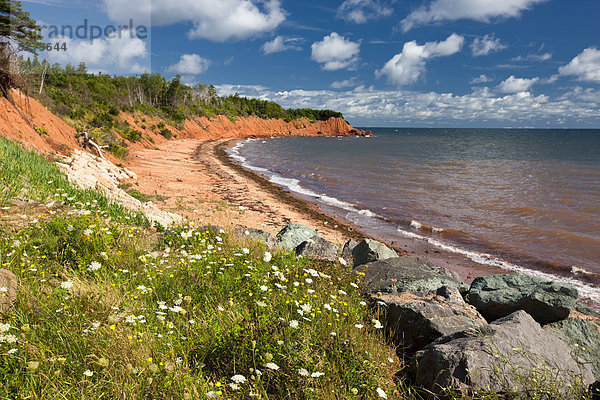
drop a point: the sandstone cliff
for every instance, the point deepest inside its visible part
(29, 122)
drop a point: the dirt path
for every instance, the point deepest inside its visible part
(185, 176)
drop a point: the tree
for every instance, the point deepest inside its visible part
(16, 26)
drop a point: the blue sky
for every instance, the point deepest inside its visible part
(442, 63)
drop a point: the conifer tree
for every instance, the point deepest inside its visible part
(16, 28)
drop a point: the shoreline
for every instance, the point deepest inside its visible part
(466, 269)
(209, 187)
(457, 260)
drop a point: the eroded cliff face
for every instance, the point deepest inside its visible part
(31, 123)
(221, 127)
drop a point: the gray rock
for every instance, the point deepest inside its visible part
(407, 274)
(586, 310)
(415, 321)
(8, 290)
(318, 248)
(546, 301)
(294, 234)
(259, 235)
(347, 250)
(371, 250)
(512, 354)
(583, 336)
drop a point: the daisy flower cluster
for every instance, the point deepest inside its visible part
(188, 310)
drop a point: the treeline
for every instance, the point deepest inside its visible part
(96, 99)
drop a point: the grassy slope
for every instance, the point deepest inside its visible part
(169, 315)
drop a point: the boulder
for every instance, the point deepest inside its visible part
(512, 354)
(209, 228)
(546, 301)
(371, 250)
(294, 234)
(582, 334)
(407, 274)
(414, 321)
(318, 248)
(586, 310)
(347, 250)
(259, 235)
(8, 290)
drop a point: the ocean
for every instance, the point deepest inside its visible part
(518, 199)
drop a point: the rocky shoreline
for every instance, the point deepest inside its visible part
(506, 333)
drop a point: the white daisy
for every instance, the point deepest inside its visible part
(66, 285)
(272, 366)
(94, 266)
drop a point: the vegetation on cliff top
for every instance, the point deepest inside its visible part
(97, 99)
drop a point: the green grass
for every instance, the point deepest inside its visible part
(28, 176)
(178, 314)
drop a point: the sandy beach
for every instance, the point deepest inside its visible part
(187, 177)
(197, 180)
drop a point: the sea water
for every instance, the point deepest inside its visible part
(519, 199)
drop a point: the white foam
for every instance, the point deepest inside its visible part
(585, 290)
(416, 224)
(366, 213)
(575, 270)
(294, 184)
(234, 152)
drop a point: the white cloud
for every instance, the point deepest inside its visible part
(478, 10)
(280, 44)
(397, 107)
(481, 79)
(213, 20)
(406, 67)
(533, 57)
(343, 84)
(335, 52)
(120, 53)
(585, 66)
(482, 46)
(516, 85)
(190, 64)
(360, 11)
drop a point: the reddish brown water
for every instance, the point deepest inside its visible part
(526, 198)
